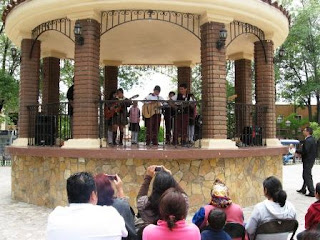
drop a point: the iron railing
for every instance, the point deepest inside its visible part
(180, 124)
(49, 124)
(177, 123)
(246, 124)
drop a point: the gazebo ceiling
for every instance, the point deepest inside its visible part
(147, 42)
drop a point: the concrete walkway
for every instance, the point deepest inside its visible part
(25, 221)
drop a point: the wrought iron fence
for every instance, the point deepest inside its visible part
(159, 123)
(49, 124)
(146, 123)
(246, 124)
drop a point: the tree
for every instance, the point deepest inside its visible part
(9, 92)
(299, 68)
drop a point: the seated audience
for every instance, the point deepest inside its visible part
(290, 154)
(312, 218)
(83, 219)
(309, 235)
(219, 199)
(148, 206)
(172, 224)
(217, 221)
(106, 198)
(274, 207)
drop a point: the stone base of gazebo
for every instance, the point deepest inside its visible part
(39, 174)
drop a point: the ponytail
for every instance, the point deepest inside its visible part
(280, 197)
(171, 222)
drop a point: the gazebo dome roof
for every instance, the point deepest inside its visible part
(142, 42)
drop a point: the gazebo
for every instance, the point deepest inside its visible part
(113, 33)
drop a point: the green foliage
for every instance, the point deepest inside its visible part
(316, 130)
(9, 92)
(295, 125)
(297, 72)
(142, 134)
(129, 76)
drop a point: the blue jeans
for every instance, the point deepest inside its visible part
(286, 158)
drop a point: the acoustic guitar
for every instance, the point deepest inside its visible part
(150, 109)
(116, 107)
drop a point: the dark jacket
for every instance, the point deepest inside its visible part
(123, 208)
(312, 218)
(308, 151)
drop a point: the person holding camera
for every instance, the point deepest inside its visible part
(148, 206)
(106, 197)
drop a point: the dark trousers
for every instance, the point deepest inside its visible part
(180, 128)
(168, 123)
(152, 129)
(307, 176)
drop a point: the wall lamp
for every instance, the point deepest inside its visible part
(222, 38)
(78, 34)
(281, 54)
(15, 54)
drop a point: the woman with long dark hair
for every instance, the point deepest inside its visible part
(274, 207)
(172, 224)
(106, 197)
(148, 206)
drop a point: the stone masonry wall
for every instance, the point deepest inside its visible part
(42, 181)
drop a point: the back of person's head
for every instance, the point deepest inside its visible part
(217, 219)
(104, 189)
(80, 187)
(318, 188)
(273, 189)
(310, 235)
(162, 181)
(172, 207)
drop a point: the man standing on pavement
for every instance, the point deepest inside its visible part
(308, 154)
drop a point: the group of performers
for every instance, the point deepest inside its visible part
(179, 115)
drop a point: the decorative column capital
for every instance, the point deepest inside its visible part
(53, 53)
(212, 17)
(240, 55)
(183, 64)
(114, 63)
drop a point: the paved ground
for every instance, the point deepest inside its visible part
(24, 221)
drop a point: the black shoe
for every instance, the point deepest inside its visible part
(302, 191)
(310, 195)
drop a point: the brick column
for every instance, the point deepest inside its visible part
(243, 90)
(110, 80)
(265, 85)
(184, 76)
(86, 82)
(29, 85)
(213, 83)
(51, 79)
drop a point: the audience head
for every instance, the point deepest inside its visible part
(162, 181)
(273, 190)
(307, 131)
(217, 219)
(104, 189)
(112, 95)
(310, 235)
(81, 188)
(318, 190)
(220, 195)
(172, 207)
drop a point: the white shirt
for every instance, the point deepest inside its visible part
(153, 97)
(85, 221)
